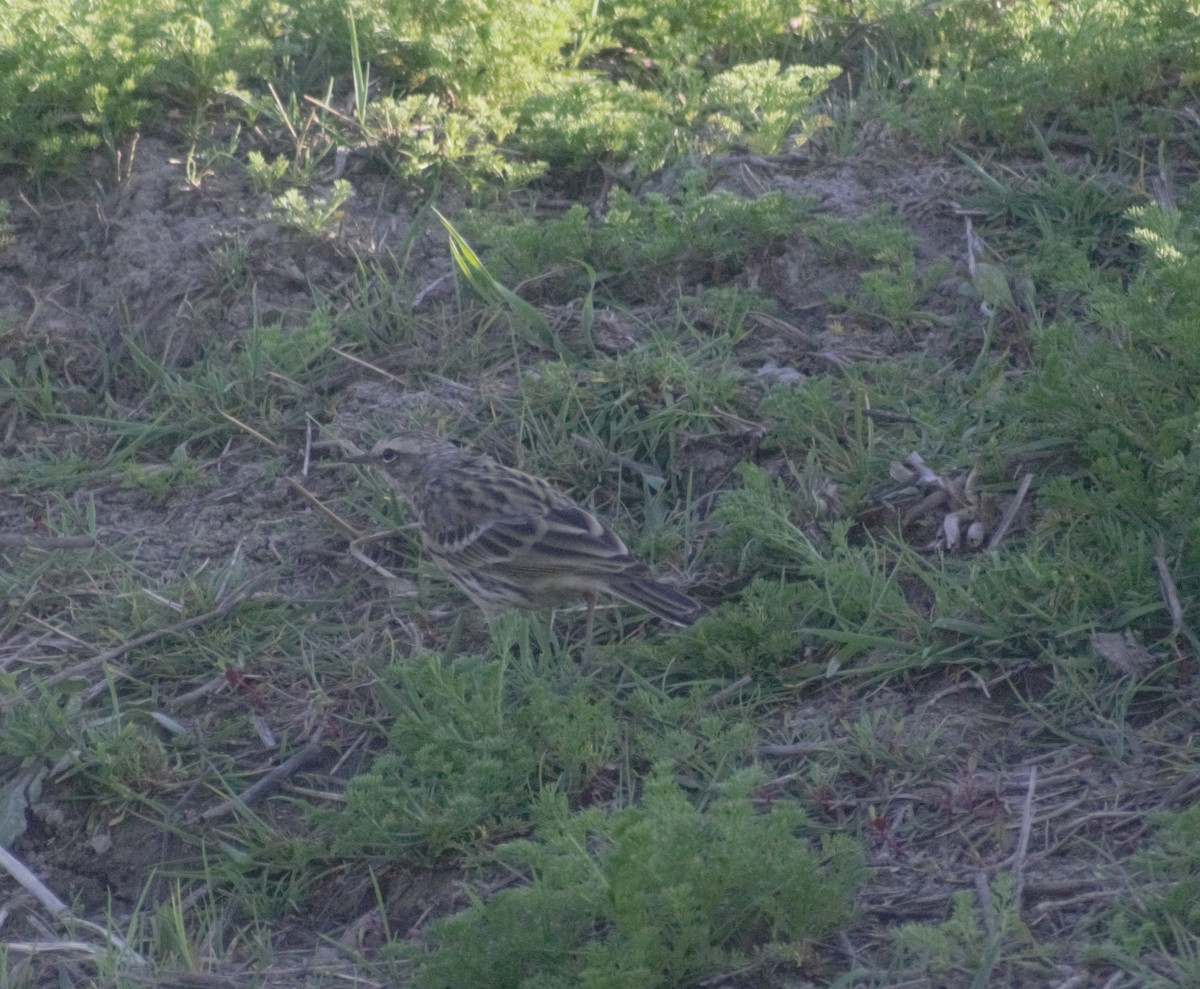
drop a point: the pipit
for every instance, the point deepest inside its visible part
(511, 540)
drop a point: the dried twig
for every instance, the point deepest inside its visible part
(1167, 583)
(269, 782)
(796, 748)
(367, 364)
(1171, 595)
(987, 910)
(308, 442)
(366, 561)
(1010, 513)
(344, 527)
(18, 539)
(432, 286)
(724, 692)
(1023, 840)
(251, 430)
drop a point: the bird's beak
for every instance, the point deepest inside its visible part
(366, 458)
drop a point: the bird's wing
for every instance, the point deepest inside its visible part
(531, 530)
(567, 540)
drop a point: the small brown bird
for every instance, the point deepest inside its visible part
(510, 540)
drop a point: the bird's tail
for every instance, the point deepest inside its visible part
(659, 599)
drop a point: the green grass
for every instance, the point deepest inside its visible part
(704, 266)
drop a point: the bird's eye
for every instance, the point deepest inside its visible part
(388, 456)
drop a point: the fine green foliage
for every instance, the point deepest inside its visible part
(265, 174)
(470, 746)
(315, 217)
(659, 895)
(963, 947)
(759, 528)
(678, 33)
(429, 92)
(881, 246)
(1165, 910)
(989, 74)
(759, 103)
(1118, 401)
(108, 67)
(421, 141)
(475, 744)
(452, 48)
(585, 120)
(640, 240)
(577, 121)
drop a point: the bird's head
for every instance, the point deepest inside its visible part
(403, 454)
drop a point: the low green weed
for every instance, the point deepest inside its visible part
(890, 287)
(159, 480)
(429, 93)
(110, 68)
(1161, 914)
(471, 746)
(639, 242)
(574, 123)
(758, 104)
(28, 381)
(124, 759)
(265, 175)
(475, 745)
(964, 947)
(315, 217)
(989, 75)
(660, 895)
(764, 528)
(1118, 402)
(41, 730)
(681, 34)
(423, 141)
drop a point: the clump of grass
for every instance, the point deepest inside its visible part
(642, 403)
(258, 379)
